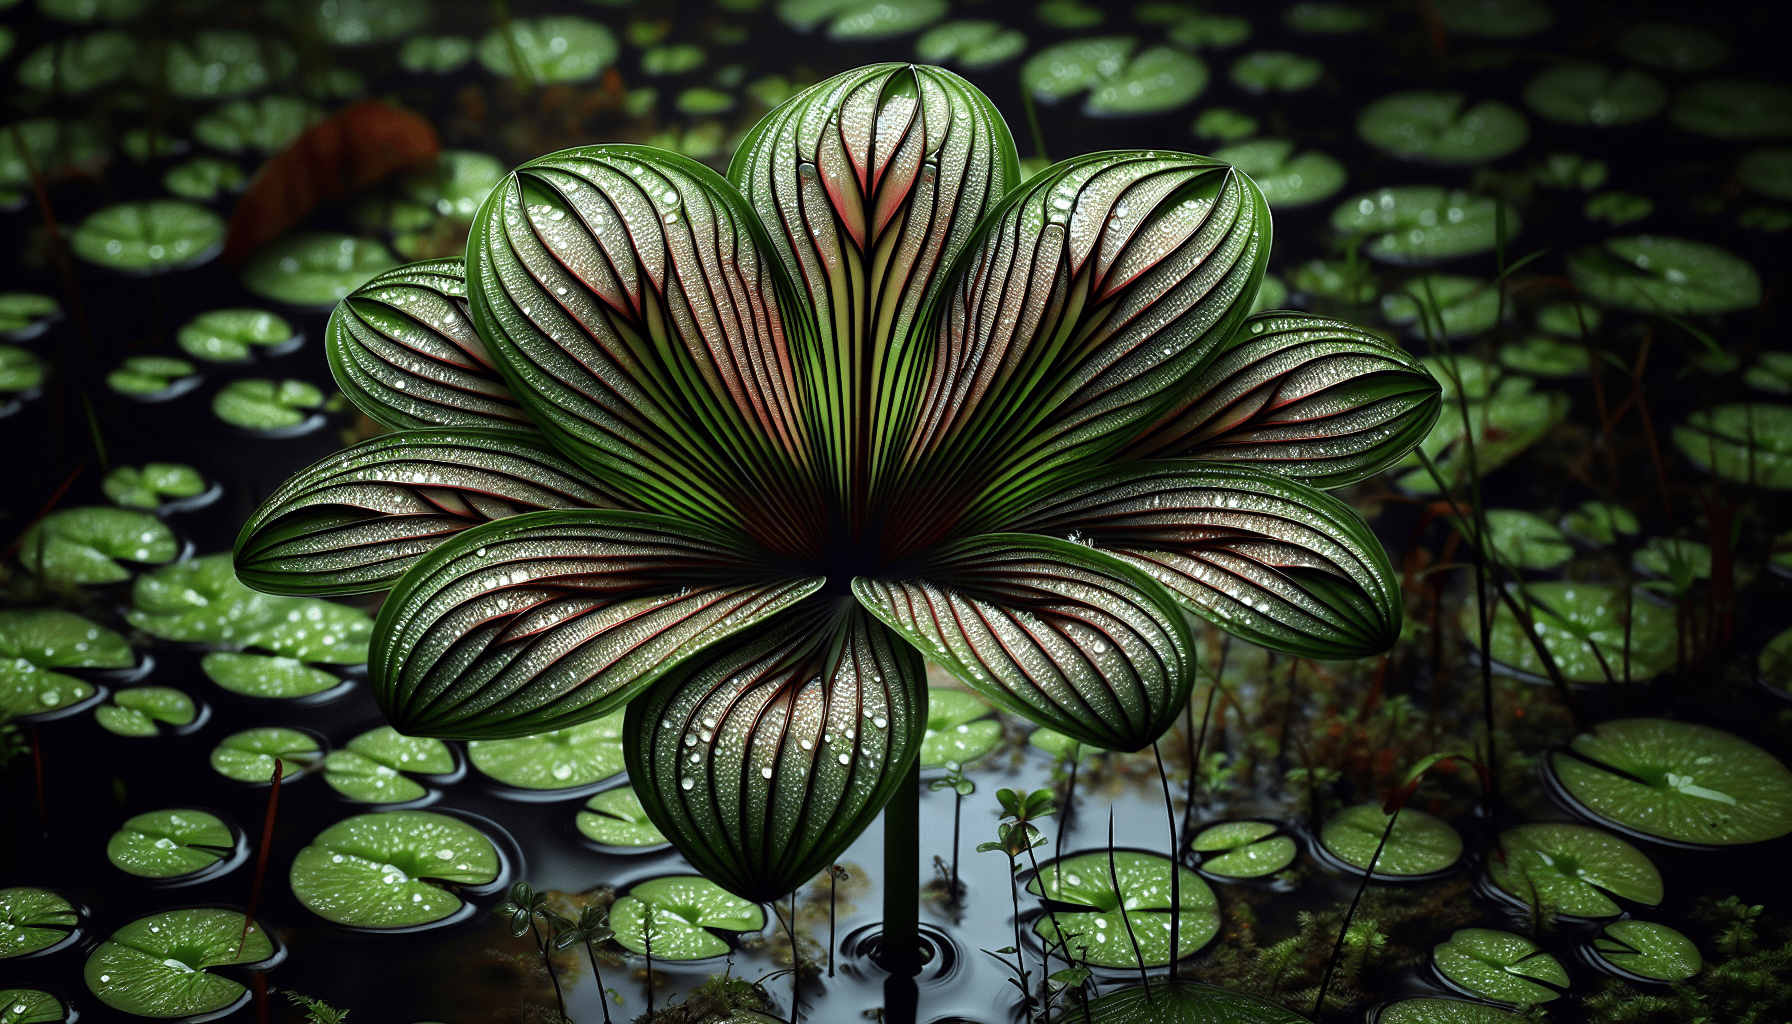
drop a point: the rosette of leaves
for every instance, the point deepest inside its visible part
(775, 436)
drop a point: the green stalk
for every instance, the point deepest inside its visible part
(901, 946)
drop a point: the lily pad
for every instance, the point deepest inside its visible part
(615, 817)
(153, 485)
(1618, 208)
(1224, 124)
(697, 101)
(375, 766)
(1156, 79)
(1181, 1002)
(1328, 19)
(78, 64)
(973, 44)
(460, 182)
(1676, 782)
(1059, 745)
(1099, 935)
(1287, 181)
(1772, 372)
(1420, 845)
(1437, 1010)
(1746, 442)
(1573, 870)
(1582, 626)
(1423, 223)
(1526, 540)
(200, 600)
(562, 759)
(1244, 849)
(1275, 71)
(158, 966)
(149, 237)
(315, 269)
(227, 335)
(1505, 414)
(1600, 522)
(266, 125)
(1437, 128)
(553, 49)
(960, 729)
(359, 22)
(1649, 951)
(1731, 109)
(1443, 306)
(27, 689)
(80, 545)
(1767, 171)
(1501, 966)
(136, 711)
(153, 378)
(34, 921)
(1660, 274)
(249, 756)
(1494, 19)
(1593, 94)
(269, 676)
(170, 844)
(1673, 47)
(20, 371)
(672, 60)
(1541, 356)
(1675, 560)
(1336, 279)
(263, 405)
(437, 55)
(31, 1006)
(222, 63)
(1199, 31)
(675, 914)
(1570, 171)
(1069, 15)
(25, 315)
(36, 641)
(1569, 319)
(1774, 663)
(882, 19)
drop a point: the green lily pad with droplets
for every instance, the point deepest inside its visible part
(1069, 15)
(1677, 782)
(1569, 319)
(1336, 279)
(1420, 844)
(249, 756)
(36, 641)
(1674, 559)
(78, 64)
(201, 600)
(171, 843)
(1731, 109)
(374, 767)
(1526, 540)
(1618, 208)
(1494, 19)
(1438, 1010)
(1648, 950)
(1749, 442)
(1673, 47)
(360, 22)
(222, 63)
(143, 376)
(315, 269)
(554, 49)
(1500, 966)
(1768, 171)
(1581, 624)
(1196, 31)
(1098, 935)
(1600, 522)
(1329, 19)
(1660, 274)
(869, 20)
(159, 966)
(30, 1006)
(436, 55)
(33, 919)
(261, 675)
(1287, 181)
(459, 183)
(149, 237)
(1224, 124)
(1573, 870)
(973, 44)
(229, 335)
(676, 914)
(1437, 127)
(1265, 71)
(1541, 356)
(1181, 1002)
(266, 125)
(264, 405)
(1423, 223)
(1581, 93)
(152, 485)
(81, 545)
(960, 728)
(576, 756)
(1119, 81)
(25, 315)
(1443, 306)
(1505, 414)
(28, 689)
(136, 711)
(615, 817)
(1243, 849)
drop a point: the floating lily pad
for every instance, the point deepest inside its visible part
(1582, 626)
(136, 711)
(1573, 870)
(1287, 181)
(564, 758)
(1327, 18)
(972, 44)
(960, 728)
(1181, 1002)
(1423, 223)
(158, 966)
(1600, 522)
(268, 676)
(152, 378)
(1659, 274)
(1275, 71)
(266, 125)
(1336, 279)
(1526, 540)
(1774, 664)
(34, 921)
(359, 22)
(1443, 306)
(1437, 128)
(1542, 356)
(1678, 561)
(1618, 208)
(170, 844)
(230, 335)
(375, 766)
(1593, 94)
(1501, 966)
(1069, 15)
(460, 182)
(436, 55)
(28, 689)
(1191, 28)
(697, 101)
(1571, 171)
(1224, 124)
(1494, 19)
(1676, 782)
(36, 641)
(1746, 442)
(80, 545)
(1732, 109)
(200, 600)
(263, 405)
(249, 756)
(25, 315)
(222, 63)
(315, 269)
(1243, 849)
(554, 49)
(1271, 294)
(1420, 845)
(1505, 414)
(19, 370)
(1767, 171)
(881, 19)
(1771, 372)
(1099, 934)
(675, 914)
(672, 60)
(1436, 1010)
(149, 237)
(30, 1006)
(615, 817)
(84, 12)
(76, 65)
(1673, 47)
(1569, 319)
(1059, 745)
(1650, 951)
(1156, 79)
(153, 485)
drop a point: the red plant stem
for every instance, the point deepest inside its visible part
(260, 982)
(261, 857)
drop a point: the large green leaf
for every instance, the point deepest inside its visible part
(868, 185)
(1311, 398)
(623, 294)
(403, 348)
(355, 521)
(763, 761)
(1266, 558)
(1074, 639)
(548, 619)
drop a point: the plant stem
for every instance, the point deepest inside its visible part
(900, 950)
(553, 976)
(1344, 929)
(796, 966)
(957, 809)
(1020, 965)
(1175, 865)
(1125, 918)
(833, 896)
(1026, 98)
(261, 857)
(647, 943)
(603, 996)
